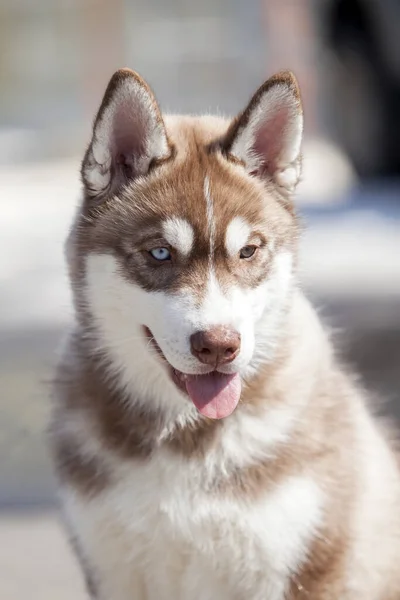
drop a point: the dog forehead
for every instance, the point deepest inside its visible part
(198, 198)
(201, 196)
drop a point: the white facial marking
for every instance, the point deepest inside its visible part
(179, 233)
(271, 245)
(237, 234)
(269, 302)
(121, 308)
(210, 217)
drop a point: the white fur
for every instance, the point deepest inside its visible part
(179, 233)
(210, 217)
(121, 308)
(288, 177)
(237, 235)
(376, 461)
(188, 544)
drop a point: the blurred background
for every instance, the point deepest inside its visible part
(56, 57)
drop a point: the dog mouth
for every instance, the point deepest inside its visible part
(214, 394)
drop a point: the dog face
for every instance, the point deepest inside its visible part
(186, 240)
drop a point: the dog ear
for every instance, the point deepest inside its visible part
(128, 136)
(267, 135)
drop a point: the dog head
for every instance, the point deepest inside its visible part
(183, 253)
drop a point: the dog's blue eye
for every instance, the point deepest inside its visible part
(247, 251)
(161, 254)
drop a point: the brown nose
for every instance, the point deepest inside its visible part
(216, 346)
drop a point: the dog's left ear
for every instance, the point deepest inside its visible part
(267, 135)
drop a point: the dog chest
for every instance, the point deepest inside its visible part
(158, 534)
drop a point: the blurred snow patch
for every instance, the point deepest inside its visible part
(37, 203)
(353, 255)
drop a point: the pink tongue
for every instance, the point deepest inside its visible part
(214, 395)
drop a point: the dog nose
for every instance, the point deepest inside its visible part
(216, 346)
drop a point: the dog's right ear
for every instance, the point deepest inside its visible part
(128, 136)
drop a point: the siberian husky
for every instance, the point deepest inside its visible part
(207, 442)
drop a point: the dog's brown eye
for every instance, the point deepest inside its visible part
(248, 251)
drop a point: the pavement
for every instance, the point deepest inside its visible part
(349, 264)
(35, 560)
